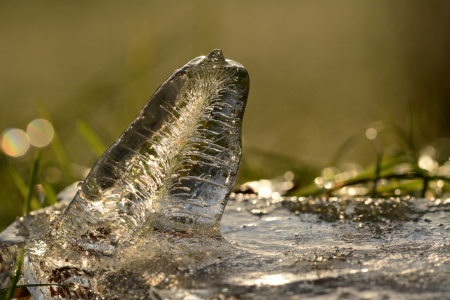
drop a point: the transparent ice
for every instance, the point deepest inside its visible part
(168, 175)
(174, 165)
(276, 253)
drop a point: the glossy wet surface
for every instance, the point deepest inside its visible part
(280, 252)
(289, 254)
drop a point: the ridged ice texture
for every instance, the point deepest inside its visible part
(174, 166)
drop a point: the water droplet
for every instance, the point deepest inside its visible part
(80, 185)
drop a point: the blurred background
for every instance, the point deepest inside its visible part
(337, 88)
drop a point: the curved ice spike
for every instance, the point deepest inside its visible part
(174, 166)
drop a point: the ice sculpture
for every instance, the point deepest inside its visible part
(168, 175)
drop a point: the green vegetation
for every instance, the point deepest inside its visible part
(398, 169)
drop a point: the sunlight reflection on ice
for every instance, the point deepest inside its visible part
(273, 279)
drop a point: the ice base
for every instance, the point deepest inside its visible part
(280, 255)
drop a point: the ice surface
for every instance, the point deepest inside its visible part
(295, 249)
(287, 250)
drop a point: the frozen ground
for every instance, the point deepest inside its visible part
(291, 249)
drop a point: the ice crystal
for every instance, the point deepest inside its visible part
(175, 164)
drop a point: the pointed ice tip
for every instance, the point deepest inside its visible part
(215, 56)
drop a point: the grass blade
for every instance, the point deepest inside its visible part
(50, 194)
(20, 184)
(91, 137)
(32, 180)
(61, 154)
(17, 274)
(359, 136)
(377, 174)
(383, 168)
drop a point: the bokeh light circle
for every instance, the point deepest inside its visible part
(371, 133)
(14, 142)
(40, 132)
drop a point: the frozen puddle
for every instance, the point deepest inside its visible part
(278, 255)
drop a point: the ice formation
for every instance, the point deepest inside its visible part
(169, 174)
(283, 247)
(175, 164)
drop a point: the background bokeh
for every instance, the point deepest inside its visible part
(320, 72)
